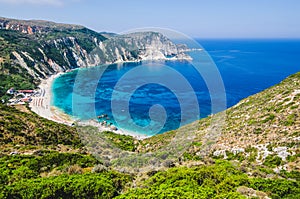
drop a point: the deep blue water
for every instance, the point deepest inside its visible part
(250, 66)
(129, 93)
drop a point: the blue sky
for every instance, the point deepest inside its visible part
(196, 18)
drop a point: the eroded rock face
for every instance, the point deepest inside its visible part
(142, 46)
(59, 47)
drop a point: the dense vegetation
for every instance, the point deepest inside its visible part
(50, 174)
(123, 142)
(221, 180)
(57, 175)
(67, 175)
(13, 75)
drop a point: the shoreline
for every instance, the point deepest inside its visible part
(95, 123)
(42, 106)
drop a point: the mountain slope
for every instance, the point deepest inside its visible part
(25, 131)
(259, 128)
(58, 160)
(34, 50)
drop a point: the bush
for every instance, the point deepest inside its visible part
(64, 186)
(272, 161)
(277, 188)
(221, 180)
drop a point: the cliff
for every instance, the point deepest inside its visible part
(37, 49)
(142, 46)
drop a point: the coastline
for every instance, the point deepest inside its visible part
(42, 106)
(93, 122)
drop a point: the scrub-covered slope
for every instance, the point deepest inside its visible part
(259, 128)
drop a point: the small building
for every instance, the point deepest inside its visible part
(25, 91)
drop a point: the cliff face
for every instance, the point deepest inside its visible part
(142, 46)
(33, 50)
(40, 48)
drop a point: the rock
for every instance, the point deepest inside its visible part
(249, 192)
(220, 153)
(99, 168)
(237, 150)
(282, 152)
(113, 128)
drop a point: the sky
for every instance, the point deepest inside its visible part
(195, 18)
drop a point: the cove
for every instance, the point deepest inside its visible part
(246, 67)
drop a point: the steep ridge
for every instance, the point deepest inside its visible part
(34, 50)
(35, 26)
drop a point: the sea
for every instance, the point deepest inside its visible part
(152, 97)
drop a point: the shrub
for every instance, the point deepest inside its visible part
(272, 161)
(63, 186)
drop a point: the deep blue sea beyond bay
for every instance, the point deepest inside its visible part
(246, 67)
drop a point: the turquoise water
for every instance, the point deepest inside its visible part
(154, 97)
(88, 93)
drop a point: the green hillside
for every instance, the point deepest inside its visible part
(270, 119)
(25, 130)
(43, 159)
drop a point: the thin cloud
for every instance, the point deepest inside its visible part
(34, 2)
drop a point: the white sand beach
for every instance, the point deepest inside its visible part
(42, 106)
